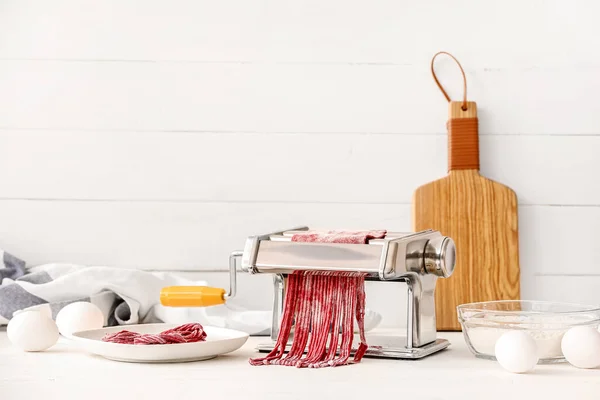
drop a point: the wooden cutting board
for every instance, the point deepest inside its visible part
(480, 215)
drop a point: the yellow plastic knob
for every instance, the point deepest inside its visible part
(192, 296)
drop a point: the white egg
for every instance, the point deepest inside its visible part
(32, 331)
(79, 316)
(581, 347)
(516, 351)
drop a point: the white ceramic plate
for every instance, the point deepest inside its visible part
(218, 341)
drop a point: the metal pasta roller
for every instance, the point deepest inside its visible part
(418, 259)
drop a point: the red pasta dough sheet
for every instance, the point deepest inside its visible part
(317, 303)
(350, 237)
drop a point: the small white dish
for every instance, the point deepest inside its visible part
(218, 341)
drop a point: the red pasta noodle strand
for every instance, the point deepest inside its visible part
(290, 303)
(334, 335)
(302, 324)
(321, 320)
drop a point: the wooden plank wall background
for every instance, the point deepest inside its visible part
(159, 134)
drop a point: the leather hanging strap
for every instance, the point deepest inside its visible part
(462, 126)
(464, 103)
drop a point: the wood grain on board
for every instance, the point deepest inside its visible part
(481, 216)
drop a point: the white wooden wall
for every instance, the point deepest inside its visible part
(158, 134)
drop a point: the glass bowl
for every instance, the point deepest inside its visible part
(483, 323)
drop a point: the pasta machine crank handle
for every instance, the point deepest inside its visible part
(202, 296)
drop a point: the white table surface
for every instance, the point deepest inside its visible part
(64, 372)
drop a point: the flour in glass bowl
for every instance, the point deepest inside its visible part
(546, 330)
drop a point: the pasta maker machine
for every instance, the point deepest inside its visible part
(417, 259)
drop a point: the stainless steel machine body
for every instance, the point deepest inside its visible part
(417, 259)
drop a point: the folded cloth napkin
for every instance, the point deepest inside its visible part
(125, 296)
